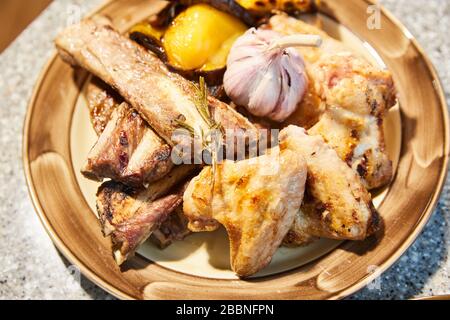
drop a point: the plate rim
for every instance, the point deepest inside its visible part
(105, 285)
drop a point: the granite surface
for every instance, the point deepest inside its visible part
(31, 267)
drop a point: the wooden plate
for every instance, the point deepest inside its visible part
(57, 136)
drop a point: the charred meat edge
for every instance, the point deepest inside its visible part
(128, 151)
(130, 216)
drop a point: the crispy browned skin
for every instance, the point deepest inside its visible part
(255, 200)
(161, 97)
(336, 203)
(357, 96)
(128, 151)
(130, 216)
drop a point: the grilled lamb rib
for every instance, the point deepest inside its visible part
(102, 102)
(130, 216)
(128, 151)
(161, 97)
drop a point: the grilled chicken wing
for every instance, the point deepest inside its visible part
(336, 203)
(128, 151)
(357, 96)
(130, 216)
(255, 200)
(161, 97)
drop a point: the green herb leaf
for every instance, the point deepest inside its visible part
(210, 140)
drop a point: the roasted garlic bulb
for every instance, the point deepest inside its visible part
(265, 75)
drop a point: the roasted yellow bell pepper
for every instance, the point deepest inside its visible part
(265, 6)
(200, 38)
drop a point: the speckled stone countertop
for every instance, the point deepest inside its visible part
(31, 267)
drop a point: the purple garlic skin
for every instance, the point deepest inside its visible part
(268, 83)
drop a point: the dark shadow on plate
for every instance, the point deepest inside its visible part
(140, 261)
(362, 247)
(80, 76)
(220, 261)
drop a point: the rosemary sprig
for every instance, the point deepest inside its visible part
(211, 141)
(182, 124)
(201, 102)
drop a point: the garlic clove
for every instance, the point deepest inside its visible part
(233, 81)
(294, 83)
(263, 98)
